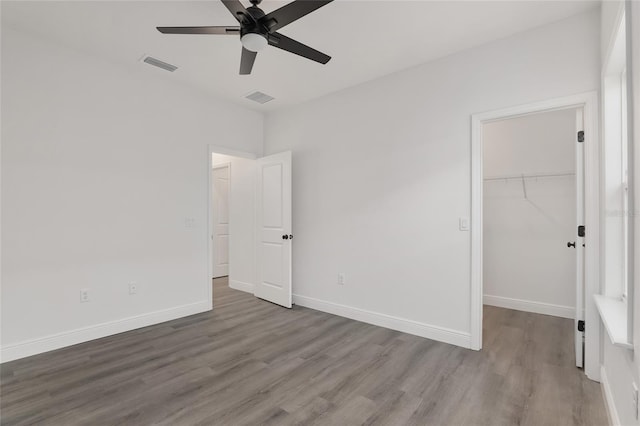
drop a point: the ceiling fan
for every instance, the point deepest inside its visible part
(257, 29)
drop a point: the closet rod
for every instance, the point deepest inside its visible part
(523, 176)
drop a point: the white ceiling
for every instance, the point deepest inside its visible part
(366, 38)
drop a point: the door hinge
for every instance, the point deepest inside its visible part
(581, 325)
(581, 136)
(581, 231)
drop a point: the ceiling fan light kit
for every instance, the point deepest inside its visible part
(257, 30)
(254, 42)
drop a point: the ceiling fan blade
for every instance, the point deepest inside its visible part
(199, 30)
(291, 12)
(246, 61)
(237, 10)
(290, 45)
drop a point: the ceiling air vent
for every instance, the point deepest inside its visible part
(158, 63)
(259, 97)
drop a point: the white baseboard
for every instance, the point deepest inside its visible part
(529, 306)
(614, 419)
(242, 286)
(80, 335)
(441, 334)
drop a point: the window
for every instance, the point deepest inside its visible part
(624, 168)
(615, 305)
(618, 193)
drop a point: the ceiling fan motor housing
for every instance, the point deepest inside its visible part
(256, 13)
(254, 36)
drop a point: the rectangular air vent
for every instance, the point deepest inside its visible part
(259, 97)
(158, 63)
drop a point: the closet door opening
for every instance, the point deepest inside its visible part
(533, 235)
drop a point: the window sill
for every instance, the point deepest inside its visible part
(614, 317)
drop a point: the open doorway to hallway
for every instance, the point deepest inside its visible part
(233, 223)
(250, 224)
(220, 237)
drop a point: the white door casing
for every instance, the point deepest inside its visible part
(592, 260)
(273, 229)
(220, 234)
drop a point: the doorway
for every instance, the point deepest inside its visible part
(221, 184)
(232, 224)
(529, 185)
(532, 255)
(249, 232)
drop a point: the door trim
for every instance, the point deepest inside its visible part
(589, 102)
(215, 149)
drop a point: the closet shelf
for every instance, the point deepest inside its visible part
(530, 176)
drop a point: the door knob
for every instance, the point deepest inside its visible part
(285, 237)
(573, 244)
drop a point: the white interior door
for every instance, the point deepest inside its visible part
(580, 241)
(220, 221)
(273, 233)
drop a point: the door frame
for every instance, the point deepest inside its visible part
(216, 149)
(593, 190)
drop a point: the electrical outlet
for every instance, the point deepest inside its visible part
(341, 278)
(84, 295)
(133, 287)
(635, 399)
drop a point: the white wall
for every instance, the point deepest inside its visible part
(104, 181)
(527, 264)
(241, 221)
(621, 367)
(534, 144)
(381, 175)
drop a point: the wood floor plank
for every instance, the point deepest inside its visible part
(249, 362)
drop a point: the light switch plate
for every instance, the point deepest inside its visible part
(464, 224)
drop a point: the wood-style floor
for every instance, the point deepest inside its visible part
(253, 363)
